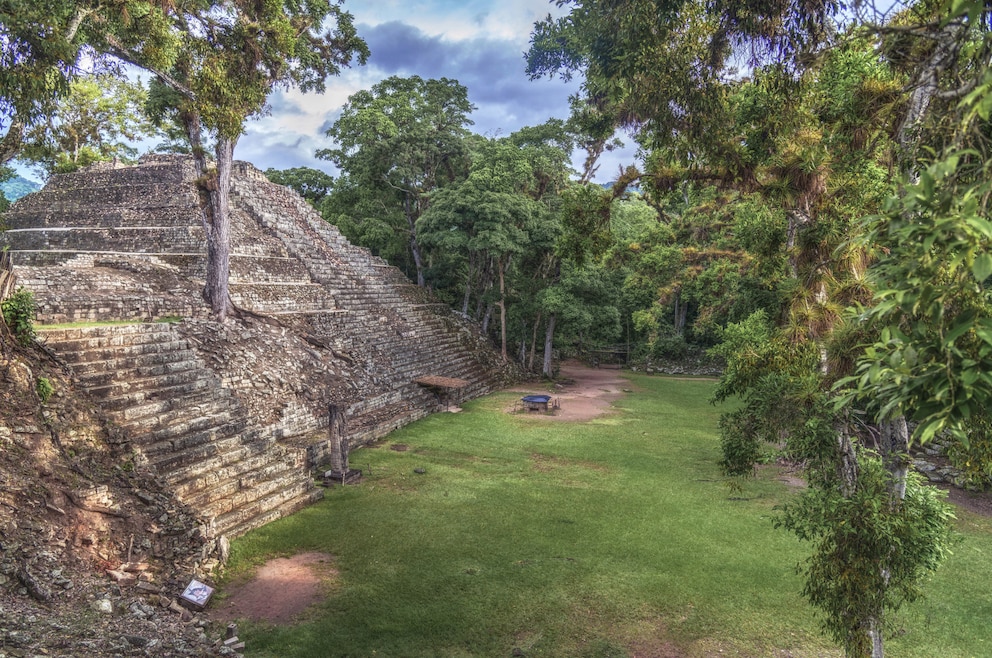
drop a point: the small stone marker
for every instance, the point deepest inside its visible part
(197, 594)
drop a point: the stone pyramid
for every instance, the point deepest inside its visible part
(233, 416)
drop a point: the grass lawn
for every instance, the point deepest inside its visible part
(608, 539)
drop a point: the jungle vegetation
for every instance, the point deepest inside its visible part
(810, 209)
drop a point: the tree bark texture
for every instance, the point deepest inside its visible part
(549, 339)
(418, 259)
(533, 343)
(10, 144)
(502, 312)
(218, 228)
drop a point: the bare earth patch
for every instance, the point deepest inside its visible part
(583, 393)
(280, 590)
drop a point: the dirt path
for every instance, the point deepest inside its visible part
(582, 392)
(280, 591)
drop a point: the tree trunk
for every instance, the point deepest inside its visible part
(218, 229)
(10, 144)
(485, 283)
(486, 317)
(502, 312)
(523, 344)
(194, 133)
(681, 311)
(799, 219)
(468, 285)
(877, 642)
(533, 342)
(894, 446)
(947, 44)
(549, 336)
(418, 259)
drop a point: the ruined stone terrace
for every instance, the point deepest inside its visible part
(233, 416)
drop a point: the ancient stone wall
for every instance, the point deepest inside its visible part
(233, 415)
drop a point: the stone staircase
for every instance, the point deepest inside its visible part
(185, 424)
(233, 416)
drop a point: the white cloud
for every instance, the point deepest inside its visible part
(480, 43)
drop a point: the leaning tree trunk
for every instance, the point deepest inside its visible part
(10, 144)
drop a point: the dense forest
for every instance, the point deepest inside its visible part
(810, 210)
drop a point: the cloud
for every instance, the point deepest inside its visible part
(492, 70)
(473, 42)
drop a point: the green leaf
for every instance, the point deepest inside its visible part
(982, 267)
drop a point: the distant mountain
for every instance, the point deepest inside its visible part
(17, 187)
(633, 189)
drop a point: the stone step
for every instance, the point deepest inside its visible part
(236, 491)
(184, 434)
(162, 412)
(119, 398)
(305, 499)
(282, 297)
(103, 360)
(192, 462)
(137, 239)
(209, 469)
(108, 334)
(140, 376)
(265, 510)
(87, 215)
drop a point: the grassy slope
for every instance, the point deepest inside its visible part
(608, 538)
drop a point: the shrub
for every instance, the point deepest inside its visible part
(18, 313)
(44, 388)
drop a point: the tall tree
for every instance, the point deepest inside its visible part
(664, 69)
(498, 211)
(220, 57)
(231, 57)
(97, 121)
(311, 184)
(396, 144)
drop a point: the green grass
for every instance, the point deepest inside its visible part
(595, 540)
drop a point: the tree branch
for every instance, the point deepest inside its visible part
(115, 49)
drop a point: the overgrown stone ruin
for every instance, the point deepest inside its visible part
(233, 417)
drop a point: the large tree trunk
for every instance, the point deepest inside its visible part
(947, 44)
(218, 228)
(486, 317)
(894, 446)
(681, 311)
(549, 338)
(194, 133)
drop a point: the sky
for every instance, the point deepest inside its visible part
(480, 43)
